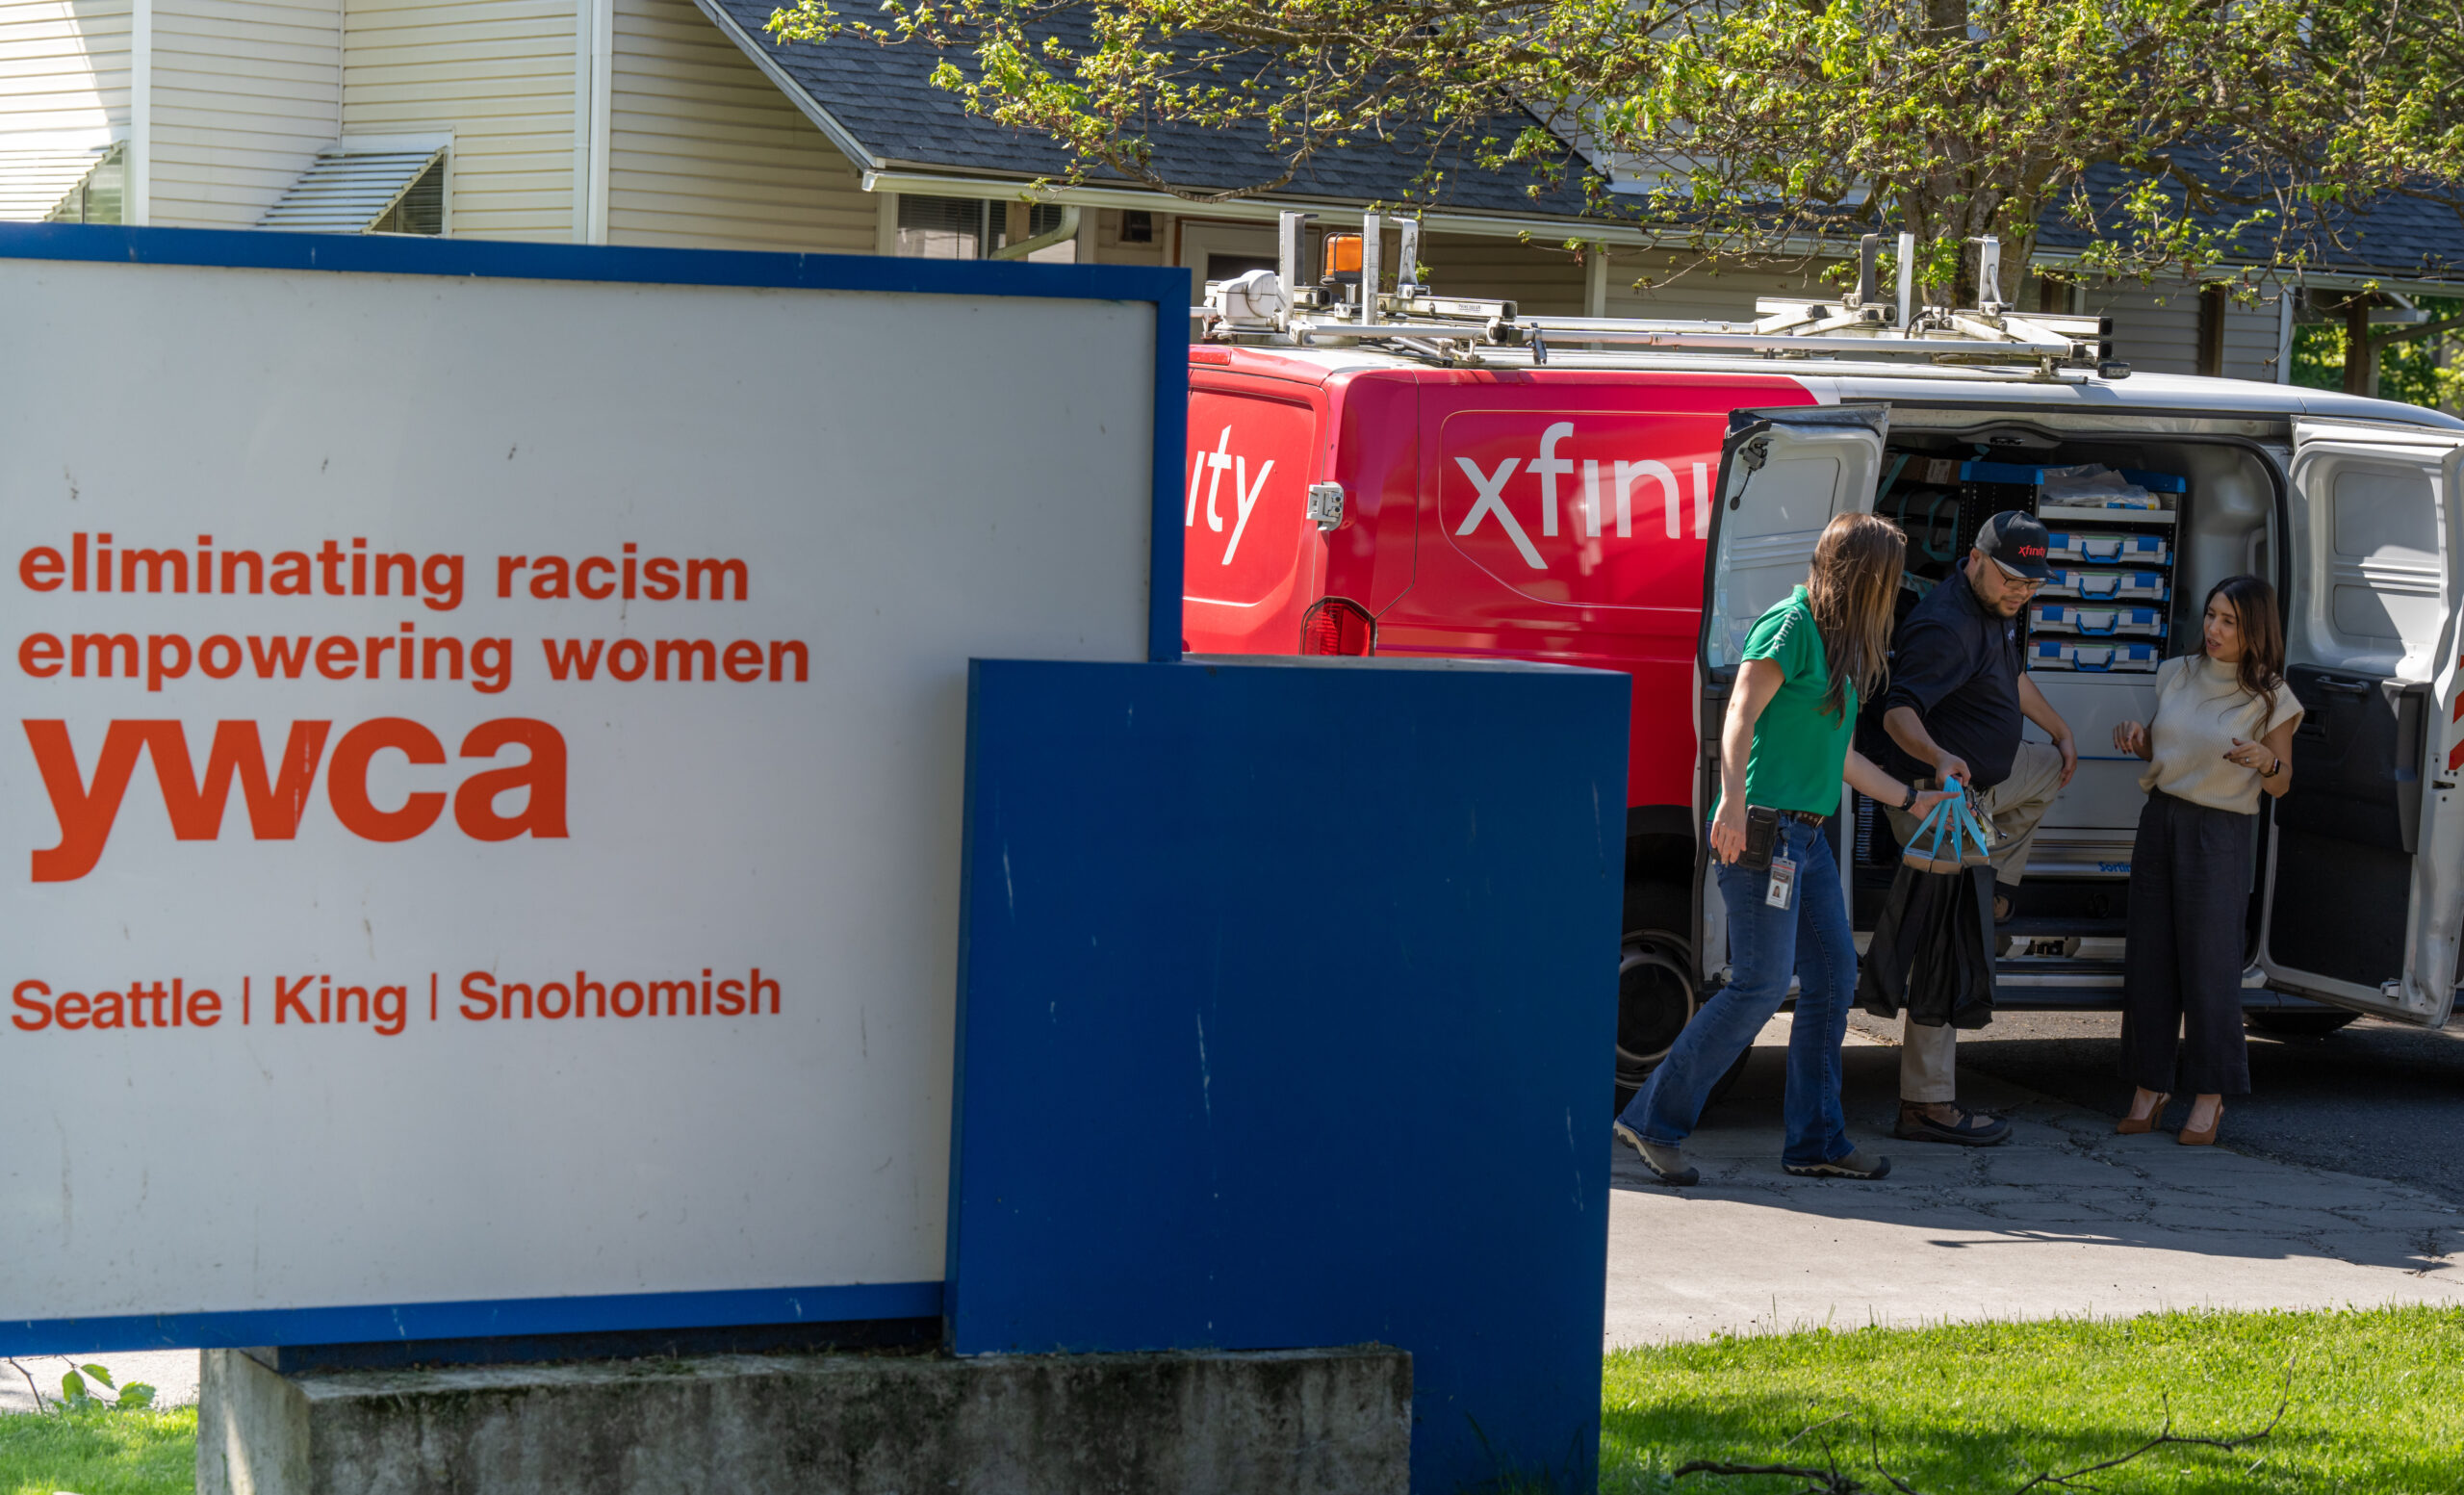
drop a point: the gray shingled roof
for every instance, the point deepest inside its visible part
(883, 98)
(884, 102)
(2396, 238)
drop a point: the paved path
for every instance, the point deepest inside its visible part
(2379, 1097)
(2066, 1218)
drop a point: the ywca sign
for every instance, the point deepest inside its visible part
(480, 806)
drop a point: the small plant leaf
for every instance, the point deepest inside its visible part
(136, 1393)
(97, 1373)
(72, 1388)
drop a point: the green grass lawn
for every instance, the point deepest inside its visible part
(99, 1452)
(2376, 1406)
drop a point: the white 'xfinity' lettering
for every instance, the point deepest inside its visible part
(1244, 496)
(1205, 460)
(1218, 464)
(1493, 501)
(1549, 468)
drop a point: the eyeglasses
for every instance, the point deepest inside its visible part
(2031, 583)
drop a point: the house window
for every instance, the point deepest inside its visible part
(971, 229)
(420, 209)
(99, 195)
(941, 228)
(1137, 226)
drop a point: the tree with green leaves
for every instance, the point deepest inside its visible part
(2161, 135)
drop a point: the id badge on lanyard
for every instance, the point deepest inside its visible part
(1782, 882)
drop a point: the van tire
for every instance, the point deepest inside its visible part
(1655, 999)
(2296, 1024)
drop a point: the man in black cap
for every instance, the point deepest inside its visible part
(1959, 691)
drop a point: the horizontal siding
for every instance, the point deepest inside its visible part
(705, 152)
(1699, 293)
(1111, 250)
(64, 65)
(2156, 331)
(1548, 282)
(2249, 342)
(245, 92)
(497, 73)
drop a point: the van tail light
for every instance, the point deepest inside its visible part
(1338, 625)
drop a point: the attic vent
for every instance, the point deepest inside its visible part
(98, 194)
(53, 185)
(364, 192)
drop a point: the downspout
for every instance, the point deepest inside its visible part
(594, 68)
(1065, 229)
(137, 207)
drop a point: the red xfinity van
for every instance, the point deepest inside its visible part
(1402, 475)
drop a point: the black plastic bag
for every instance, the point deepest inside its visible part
(1932, 953)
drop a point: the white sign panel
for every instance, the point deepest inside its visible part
(481, 813)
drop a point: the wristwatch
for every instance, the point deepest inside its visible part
(1909, 803)
(2273, 769)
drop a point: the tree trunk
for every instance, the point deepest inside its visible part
(2361, 355)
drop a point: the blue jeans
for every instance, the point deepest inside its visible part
(1810, 938)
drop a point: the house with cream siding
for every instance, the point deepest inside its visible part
(678, 123)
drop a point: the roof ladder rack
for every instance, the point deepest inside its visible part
(1280, 307)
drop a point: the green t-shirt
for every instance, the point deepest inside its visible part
(1799, 751)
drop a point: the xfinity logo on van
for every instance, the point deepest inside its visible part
(1603, 499)
(1211, 465)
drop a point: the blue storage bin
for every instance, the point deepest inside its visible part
(2073, 654)
(2096, 621)
(2096, 548)
(2130, 586)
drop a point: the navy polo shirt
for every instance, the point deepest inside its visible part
(1958, 665)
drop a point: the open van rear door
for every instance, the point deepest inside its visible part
(2364, 894)
(1783, 475)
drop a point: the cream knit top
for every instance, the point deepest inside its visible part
(2200, 708)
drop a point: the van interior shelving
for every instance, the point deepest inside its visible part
(2141, 527)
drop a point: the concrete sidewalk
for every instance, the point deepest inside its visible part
(2066, 1218)
(171, 1372)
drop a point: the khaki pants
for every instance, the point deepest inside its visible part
(2015, 805)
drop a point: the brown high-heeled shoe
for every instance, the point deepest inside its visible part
(2140, 1125)
(2207, 1138)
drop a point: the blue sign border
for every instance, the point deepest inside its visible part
(1165, 290)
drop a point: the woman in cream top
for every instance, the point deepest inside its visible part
(2223, 737)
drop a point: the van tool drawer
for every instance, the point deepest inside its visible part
(2107, 585)
(2071, 654)
(2095, 622)
(2088, 547)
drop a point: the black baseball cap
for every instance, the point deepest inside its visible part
(2017, 541)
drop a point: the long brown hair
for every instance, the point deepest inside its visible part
(1851, 588)
(2262, 666)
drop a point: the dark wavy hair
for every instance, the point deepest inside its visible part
(2255, 612)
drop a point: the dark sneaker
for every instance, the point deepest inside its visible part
(1666, 1164)
(1968, 1128)
(1859, 1163)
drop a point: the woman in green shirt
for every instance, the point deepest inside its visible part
(1785, 747)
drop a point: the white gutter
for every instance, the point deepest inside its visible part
(1240, 209)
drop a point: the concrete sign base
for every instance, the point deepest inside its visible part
(1268, 1421)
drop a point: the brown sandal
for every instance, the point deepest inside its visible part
(2136, 1126)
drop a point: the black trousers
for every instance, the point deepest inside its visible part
(2181, 984)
